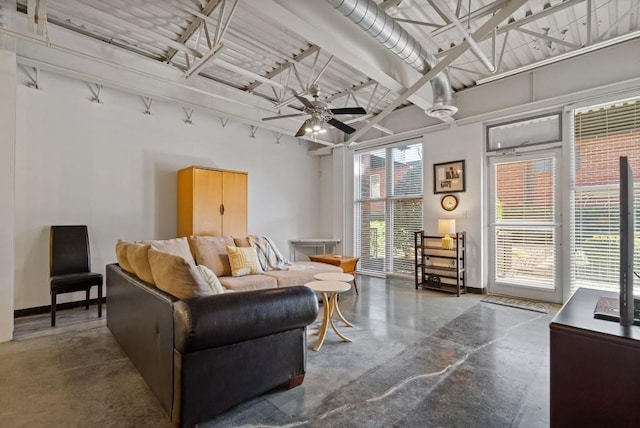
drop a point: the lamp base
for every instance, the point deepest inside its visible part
(447, 242)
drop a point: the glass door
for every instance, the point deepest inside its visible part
(525, 225)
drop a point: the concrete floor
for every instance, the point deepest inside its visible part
(418, 359)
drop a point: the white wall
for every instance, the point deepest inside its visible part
(7, 145)
(113, 168)
(459, 143)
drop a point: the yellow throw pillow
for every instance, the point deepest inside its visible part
(176, 276)
(121, 255)
(243, 261)
(138, 257)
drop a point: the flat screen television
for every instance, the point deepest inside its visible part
(625, 309)
(626, 243)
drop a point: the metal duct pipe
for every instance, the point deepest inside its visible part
(375, 21)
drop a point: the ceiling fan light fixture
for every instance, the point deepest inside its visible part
(316, 124)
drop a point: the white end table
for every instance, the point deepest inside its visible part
(329, 291)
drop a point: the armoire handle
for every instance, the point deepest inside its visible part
(221, 209)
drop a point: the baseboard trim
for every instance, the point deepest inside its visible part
(60, 306)
(476, 290)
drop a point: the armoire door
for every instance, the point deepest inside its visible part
(234, 200)
(207, 202)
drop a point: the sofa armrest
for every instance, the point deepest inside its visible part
(223, 319)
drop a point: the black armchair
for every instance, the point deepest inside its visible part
(70, 265)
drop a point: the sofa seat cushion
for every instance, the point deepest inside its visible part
(300, 273)
(248, 282)
(211, 251)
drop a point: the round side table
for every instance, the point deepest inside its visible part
(329, 291)
(334, 276)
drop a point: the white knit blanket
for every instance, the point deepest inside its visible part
(268, 255)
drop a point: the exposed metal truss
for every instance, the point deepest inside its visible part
(258, 54)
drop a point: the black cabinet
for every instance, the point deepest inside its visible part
(594, 366)
(438, 268)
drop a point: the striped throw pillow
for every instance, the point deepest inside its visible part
(211, 279)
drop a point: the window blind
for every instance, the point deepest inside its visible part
(525, 249)
(388, 208)
(601, 135)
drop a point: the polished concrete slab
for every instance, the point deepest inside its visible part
(418, 358)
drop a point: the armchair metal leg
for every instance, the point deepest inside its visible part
(53, 309)
(86, 304)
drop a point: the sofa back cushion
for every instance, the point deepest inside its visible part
(121, 255)
(177, 276)
(177, 246)
(139, 260)
(211, 251)
(242, 242)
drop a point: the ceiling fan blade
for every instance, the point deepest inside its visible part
(304, 101)
(283, 116)
(302, 130)
(341, 126)
(348, 110)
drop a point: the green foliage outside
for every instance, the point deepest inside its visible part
(598, 258)
(376, 244)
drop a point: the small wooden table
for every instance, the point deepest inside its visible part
(329, 291)
(347, 263)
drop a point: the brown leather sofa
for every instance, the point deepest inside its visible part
(203, 355)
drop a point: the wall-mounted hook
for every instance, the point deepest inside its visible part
(188, 113)
(147, 103)
(33, 82)
(254, 129)
(278, 137)
(224, 121)
(95, 91)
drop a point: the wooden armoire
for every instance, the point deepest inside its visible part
(212, 202)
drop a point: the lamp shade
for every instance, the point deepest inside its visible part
(446, 226)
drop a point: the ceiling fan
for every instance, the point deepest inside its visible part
(320, 114)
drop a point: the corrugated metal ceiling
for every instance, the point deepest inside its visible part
(267, 57)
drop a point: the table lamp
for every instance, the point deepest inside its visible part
(447, 226)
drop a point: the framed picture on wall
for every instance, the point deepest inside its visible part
(449, 177)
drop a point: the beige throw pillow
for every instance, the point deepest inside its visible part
(243, 261)
(139, 260)
(177, 246)
(177, 276)
(121, 255)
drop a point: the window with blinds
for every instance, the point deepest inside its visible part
(524, 218)
(602, 134)
(388, 208)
